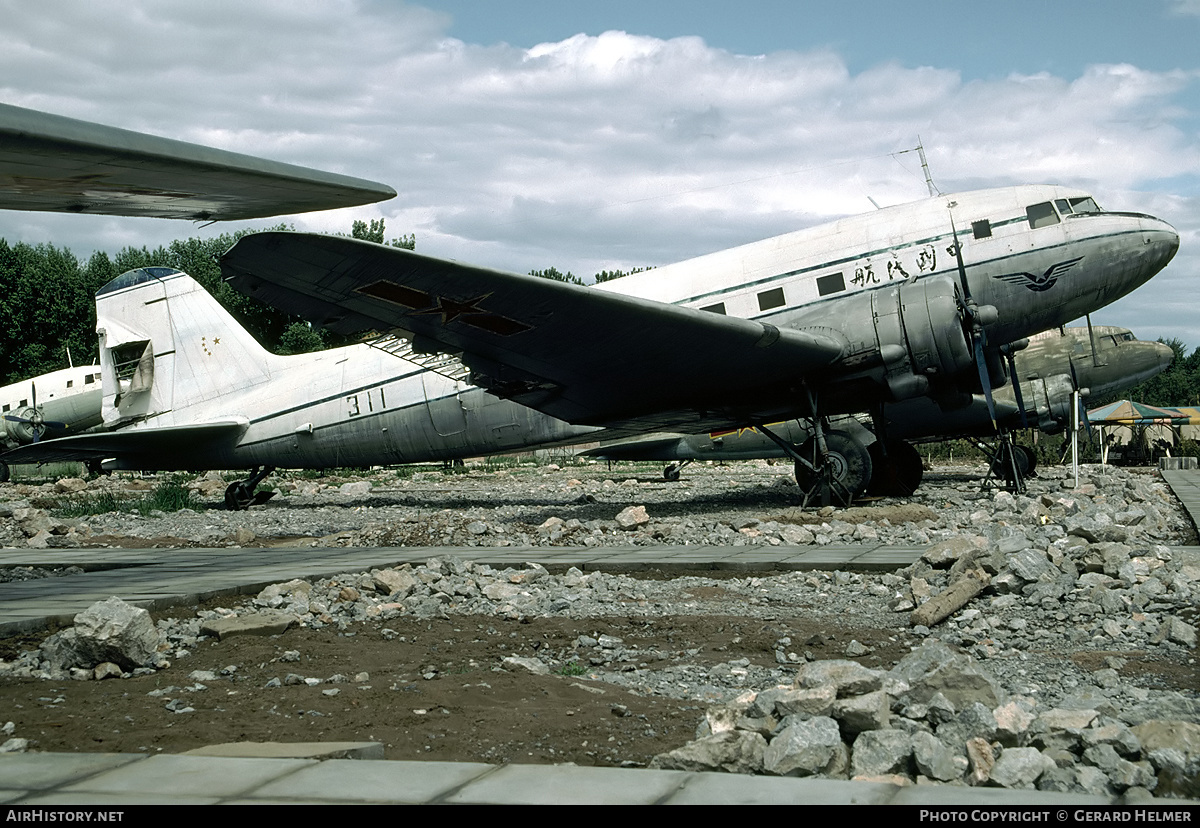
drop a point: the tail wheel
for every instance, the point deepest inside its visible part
(849, 467)
(899, 473)
(238, 496)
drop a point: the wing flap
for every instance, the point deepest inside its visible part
(582, 355)
(48, 162)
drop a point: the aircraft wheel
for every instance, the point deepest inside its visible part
(850, 467)
(897, 475)
(1019, 456)
(5, 472)
(238, 496)
(1030, 459)
(671, 473)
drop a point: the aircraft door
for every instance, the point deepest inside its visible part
(443, 402)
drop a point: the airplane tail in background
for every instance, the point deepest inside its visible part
(167, 345)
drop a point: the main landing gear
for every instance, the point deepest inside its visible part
(832, 467)
(241, 495)
(1009, 461)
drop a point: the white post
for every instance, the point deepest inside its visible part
(1075, 437)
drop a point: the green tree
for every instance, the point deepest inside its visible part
(556, 275)
(374, 232)
(609, 275)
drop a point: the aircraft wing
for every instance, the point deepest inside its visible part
(585, 356)
(166, 441)
(48, 162)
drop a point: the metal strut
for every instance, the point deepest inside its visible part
(1003, 461)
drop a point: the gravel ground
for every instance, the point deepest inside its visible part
(1085, 606)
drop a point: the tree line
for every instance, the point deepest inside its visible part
(48, 310)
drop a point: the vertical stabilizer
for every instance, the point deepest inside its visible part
(169, 352)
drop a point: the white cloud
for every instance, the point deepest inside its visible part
(616, 150)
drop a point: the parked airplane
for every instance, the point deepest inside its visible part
(1097, 361)
(53, 405)
(48, 162)
(895, 305)
(186, 387)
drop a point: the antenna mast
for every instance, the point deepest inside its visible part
(920, 150)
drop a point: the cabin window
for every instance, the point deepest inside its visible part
(771, 299)
(717, 308)
(830, 284)
(70, 383)
(24, 403)
(1041, 215)
(982, 229)
(7, 408)
(89, 379)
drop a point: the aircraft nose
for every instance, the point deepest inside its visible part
(1165, 355)
(1162, 238)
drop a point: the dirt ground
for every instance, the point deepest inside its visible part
(436, 689)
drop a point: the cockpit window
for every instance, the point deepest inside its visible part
(1079, 204)
(1041, 215)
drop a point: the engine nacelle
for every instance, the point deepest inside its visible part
(1049, 402)
(909, 340)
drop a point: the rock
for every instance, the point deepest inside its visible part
(807, 747)
(1019, 767)
(848, 678)
(395, 582)
(632, 517)
(532, 665)
(870, 711)
(934, 668)
(70, 485)
(110, 630)
(732, 752)
(259, 623)
(935, 760)
(878, 752)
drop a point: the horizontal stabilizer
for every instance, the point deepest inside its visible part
(48, 162)
(132, 443)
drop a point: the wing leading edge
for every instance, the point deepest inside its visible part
(585, 356)
(48, 162)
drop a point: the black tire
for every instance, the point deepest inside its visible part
(671, 473)
(1019, 456)
(5, 472)
(850, 462)
(899, 474)
(238, 497)
(1031, 459)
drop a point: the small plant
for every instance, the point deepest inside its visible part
(573, 668)
(170, 496)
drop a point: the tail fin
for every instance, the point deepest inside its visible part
(167, 345)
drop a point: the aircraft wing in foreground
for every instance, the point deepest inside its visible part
(581, 355)
(49, 162)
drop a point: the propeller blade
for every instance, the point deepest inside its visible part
(985, 380)
(1016, 383)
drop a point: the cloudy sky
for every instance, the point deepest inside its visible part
(587, 136)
